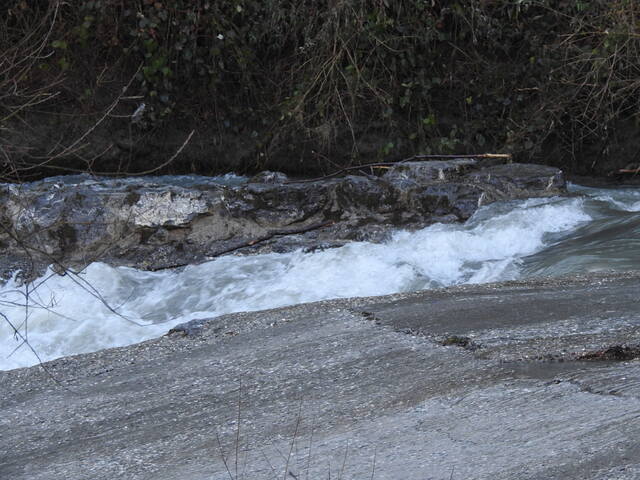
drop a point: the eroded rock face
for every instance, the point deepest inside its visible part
(147, 224)
(479, 380)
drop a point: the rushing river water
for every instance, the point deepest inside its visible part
(593, 230)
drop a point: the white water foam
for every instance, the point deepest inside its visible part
(624, 199)
(64, 319)
(627, 206)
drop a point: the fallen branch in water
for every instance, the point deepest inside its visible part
(410, 159)
(267, 236)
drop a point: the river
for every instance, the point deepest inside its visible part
(589, 230)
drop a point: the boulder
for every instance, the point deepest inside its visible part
(161, 222)
(483, 382)
(428, 172)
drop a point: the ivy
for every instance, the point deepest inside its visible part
(421, 75)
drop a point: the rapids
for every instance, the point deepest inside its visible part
(590, 230)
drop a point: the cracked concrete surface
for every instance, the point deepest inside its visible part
(353, 388)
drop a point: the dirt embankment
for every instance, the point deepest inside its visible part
(302, 87)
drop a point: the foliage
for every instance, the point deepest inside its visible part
(346, 79)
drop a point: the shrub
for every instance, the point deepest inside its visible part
(336, 82)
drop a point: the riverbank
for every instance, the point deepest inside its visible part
(306, 88)
(350, 386)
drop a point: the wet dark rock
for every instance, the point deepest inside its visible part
(459, 341)
(420, 173)
(187, 329)
(517, 179)
(617, 353)
(269, 177)
(153, 224)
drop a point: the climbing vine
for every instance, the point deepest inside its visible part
(346, 80)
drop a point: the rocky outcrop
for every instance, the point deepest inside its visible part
(346, 387)
(154, 224)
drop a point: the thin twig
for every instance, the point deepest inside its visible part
(266, 459)
(224, 458)
(373, 468)
(115, 103)
(344, 460)
(17, 333)
(238, 426)
(410, 159)
(293, 440)
(161, 166)
(313, 426)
